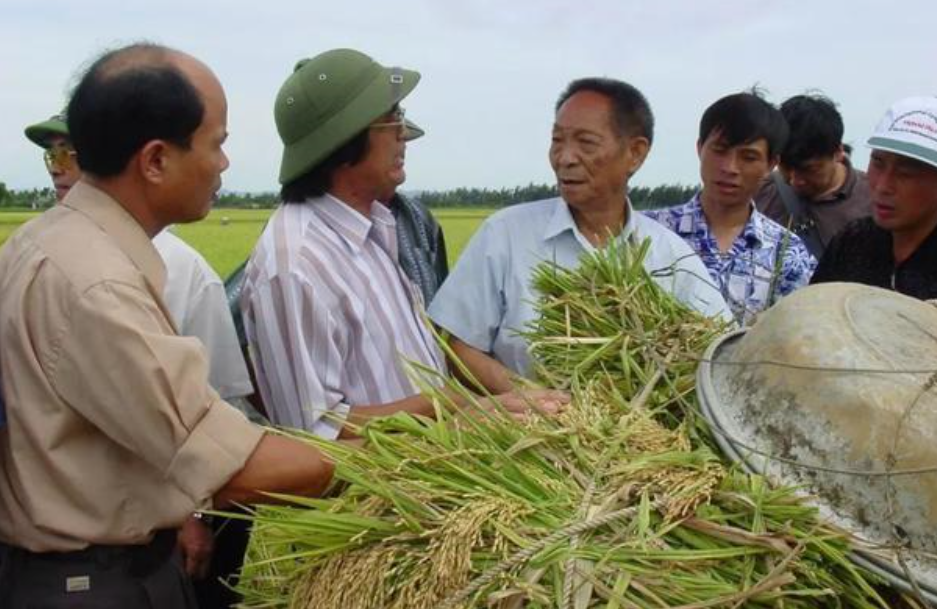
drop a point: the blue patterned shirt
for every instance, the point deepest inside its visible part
(765, 262)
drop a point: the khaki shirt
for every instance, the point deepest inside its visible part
(112, 428)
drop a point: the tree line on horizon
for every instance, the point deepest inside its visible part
(642, 197)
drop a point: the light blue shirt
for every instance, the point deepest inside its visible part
(487, 298)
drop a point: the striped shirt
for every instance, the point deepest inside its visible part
(331, 318)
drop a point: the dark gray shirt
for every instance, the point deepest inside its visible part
(421, 244)
(830, 214)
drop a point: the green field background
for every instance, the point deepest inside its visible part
(227, 236)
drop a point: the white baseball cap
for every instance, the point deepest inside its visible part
(909, 128)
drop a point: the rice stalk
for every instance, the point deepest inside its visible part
(621, 501)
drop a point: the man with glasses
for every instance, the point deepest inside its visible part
(421, 245)
(421, 242)
(331, 317)
(59, 155)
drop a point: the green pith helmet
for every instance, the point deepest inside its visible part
(329, 99)
(414, 131)
(40, 133)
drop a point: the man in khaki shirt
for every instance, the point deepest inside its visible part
(113, 434)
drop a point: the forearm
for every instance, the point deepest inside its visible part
(278, 465)
(359, 415)
(517, 403)
(419, 404)
(492, 374)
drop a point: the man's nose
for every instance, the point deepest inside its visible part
(884, 182)
(730, 164)
(566, 155)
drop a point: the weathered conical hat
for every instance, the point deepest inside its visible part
(833, 389)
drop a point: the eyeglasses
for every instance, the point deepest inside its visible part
(59, 158)
(397, 120)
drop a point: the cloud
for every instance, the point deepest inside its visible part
(491, 69)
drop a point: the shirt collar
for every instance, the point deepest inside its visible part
(353, 227)
(754, 232)
(756, 229)
(845, 191)
(117, 222)
(562, 221)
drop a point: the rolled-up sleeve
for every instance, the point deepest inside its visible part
(119, 364)
(470, 303)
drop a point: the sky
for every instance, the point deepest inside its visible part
(491, 69)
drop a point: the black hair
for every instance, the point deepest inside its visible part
(816, 129)
(128, 97)
(742, 118)
(318, 180)
(630, 110)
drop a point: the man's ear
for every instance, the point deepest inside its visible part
(840, 155)
(638, 149)
(153, 160)
(773, 163)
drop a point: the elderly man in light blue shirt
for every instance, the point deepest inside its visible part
(601, 136)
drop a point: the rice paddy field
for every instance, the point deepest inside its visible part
(226, 236)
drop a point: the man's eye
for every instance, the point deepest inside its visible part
(906, 172)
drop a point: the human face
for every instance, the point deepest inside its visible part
(814, 177)
(591, 160)
(731, 175)
(61, 165)
(382, 168)
(904, 193)
(194, 173)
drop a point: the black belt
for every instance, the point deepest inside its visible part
(139, 559)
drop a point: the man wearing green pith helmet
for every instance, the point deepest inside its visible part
(331, 317)
(59, 155)
(421, 245)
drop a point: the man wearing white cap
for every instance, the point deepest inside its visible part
(897, 247)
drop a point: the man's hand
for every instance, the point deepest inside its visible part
(196, 543)
(523, 402)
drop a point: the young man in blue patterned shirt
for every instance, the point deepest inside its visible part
(752, 259)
